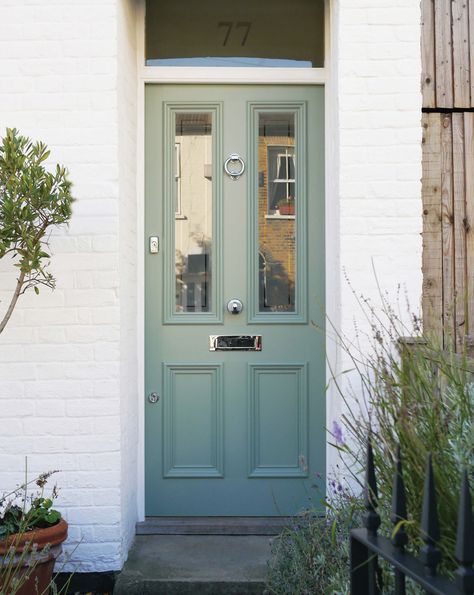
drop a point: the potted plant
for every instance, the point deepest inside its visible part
(33, 200)
(286, 206)
(31, 534)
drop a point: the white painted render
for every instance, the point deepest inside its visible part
(71, 361)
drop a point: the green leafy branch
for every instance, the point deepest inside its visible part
(33, 200)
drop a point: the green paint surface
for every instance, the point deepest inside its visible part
(234, 433)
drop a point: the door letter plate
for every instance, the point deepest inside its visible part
(235, 343)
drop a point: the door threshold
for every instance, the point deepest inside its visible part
(206, 525)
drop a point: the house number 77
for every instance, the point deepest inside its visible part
(229, 25)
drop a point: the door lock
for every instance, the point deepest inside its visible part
(235, 306)
(153, 398)
(154, 244)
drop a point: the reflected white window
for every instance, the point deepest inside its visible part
(177, 179)
(281, 187)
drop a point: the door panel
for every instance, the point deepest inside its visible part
(234, 432)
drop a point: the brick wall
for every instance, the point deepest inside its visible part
(67, 367)
(378, 75)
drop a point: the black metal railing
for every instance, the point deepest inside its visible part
(367, 546)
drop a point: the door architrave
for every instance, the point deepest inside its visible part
(239, 76)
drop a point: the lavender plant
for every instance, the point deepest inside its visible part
(312, 555)
(416, 393)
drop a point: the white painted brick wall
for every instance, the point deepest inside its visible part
(63, 386)
(378, 79)
(68, 390)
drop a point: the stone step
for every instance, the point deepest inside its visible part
(212, 525)
(195, 565)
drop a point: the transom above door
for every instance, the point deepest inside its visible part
(234, 299)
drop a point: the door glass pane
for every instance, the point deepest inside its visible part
(192, 177)
(275, 33)
(277, 211)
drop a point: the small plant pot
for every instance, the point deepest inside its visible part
(31, 555)
(286, 209)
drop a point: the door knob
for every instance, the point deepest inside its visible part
(235, 306)
(153, 398)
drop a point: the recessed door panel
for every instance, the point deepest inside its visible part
(192, 421)
(278, 407)
(235, 346)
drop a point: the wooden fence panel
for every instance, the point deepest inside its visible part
(428, 77)
(432, 239)
(443, 53)
(447, 47)
(459, 202)
(460, 41)
(471, 45)
(469, 162)
(447, 227)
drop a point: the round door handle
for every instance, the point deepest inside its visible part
(153, 398)
(235, 306)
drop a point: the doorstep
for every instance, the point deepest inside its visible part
(195, 565)
(205, 525)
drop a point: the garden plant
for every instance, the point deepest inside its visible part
(33, 201)
(31, 532)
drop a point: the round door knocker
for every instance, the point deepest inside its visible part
(229, 166)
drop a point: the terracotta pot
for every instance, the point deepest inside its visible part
(287, 209)
(40, 577)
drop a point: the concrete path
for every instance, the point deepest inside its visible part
(195, 565)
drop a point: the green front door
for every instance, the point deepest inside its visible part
(235, 196)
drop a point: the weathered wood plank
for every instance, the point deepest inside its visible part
(432, 302)
(461, 60)
(459, 201)
(443, 54)
(471, 45)
(469, 164)
(428, 75)
(447, 221)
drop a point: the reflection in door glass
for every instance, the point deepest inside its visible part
(277, 211)
(192, 174)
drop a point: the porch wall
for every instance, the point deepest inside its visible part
(378, 69)
(67, 358)
(68, 390)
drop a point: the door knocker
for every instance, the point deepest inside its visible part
(230, 166)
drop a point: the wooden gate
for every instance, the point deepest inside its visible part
(448, 169)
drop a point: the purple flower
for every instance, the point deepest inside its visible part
(337, 432)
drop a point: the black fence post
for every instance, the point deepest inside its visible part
(372, 520)
(465, 540)
(430, 554)
(398, 517)
(359, 567)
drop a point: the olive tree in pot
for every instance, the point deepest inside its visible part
(33, 200)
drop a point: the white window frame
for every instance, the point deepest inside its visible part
(177, 179)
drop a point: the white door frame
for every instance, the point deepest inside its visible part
(235, 75)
